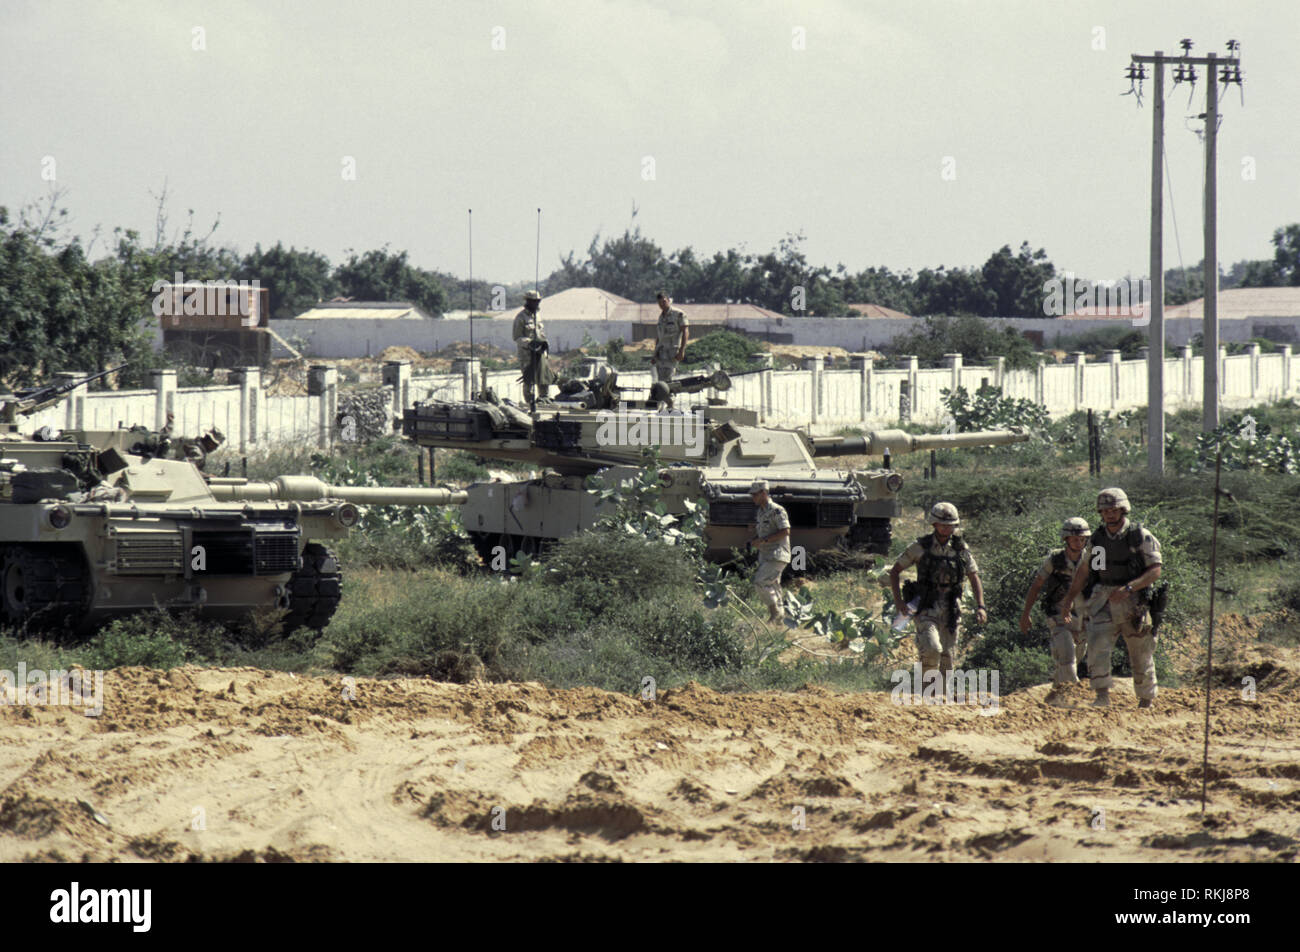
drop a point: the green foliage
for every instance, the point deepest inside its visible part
(1125, 338)
(990, 410)
(732, 351)
(295, 280)
(978, 340)
(1243, 441)
(155, 640)
(384, 276)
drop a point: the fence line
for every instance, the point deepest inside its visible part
(812, 397)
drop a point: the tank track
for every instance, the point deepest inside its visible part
(314, 590)
(43, 587)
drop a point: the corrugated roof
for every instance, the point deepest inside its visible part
(875, 310)
(380, 310)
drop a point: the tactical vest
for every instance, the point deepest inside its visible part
(933, 571)
(1124, 561)
(1058, 583)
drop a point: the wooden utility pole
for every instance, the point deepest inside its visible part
(1210, 334)
(1185, 71)
(1156, 333)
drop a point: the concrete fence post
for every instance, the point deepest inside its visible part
(1223, 369)
(953, 362)
(913, 370)
(815, 365)
(469, 370)
(74, 413)
(322, 382)
(1080, 359)
(1253, 350)
(999, 372)
(163, 383)
(865, 366)
(1040, 383)
(397, 375)
(249, 380)
(1112, 359)
(763, 362)
(1286, 369)
(1187, 373)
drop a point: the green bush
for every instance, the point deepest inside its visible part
(730, 350)
(154, 640)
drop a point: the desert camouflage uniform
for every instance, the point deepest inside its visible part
(528, 327)
(1069, 646)
(773, 556)
(1106, 622)
(672, 324)
(936, 629)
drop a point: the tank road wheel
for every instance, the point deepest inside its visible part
(872, 535)
(42, 587)
(314, 590)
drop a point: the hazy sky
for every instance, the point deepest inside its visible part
(749, 136)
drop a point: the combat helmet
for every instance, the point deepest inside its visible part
(1073, 527)
(1113, 498)
(532, 296)
(945, 514)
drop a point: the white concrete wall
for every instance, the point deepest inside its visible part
(782, 398)
(367, 337)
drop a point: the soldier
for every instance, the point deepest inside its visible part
(941, 558)
(1053, 580)
(672, 337)
(1123, 560)
(772, 539)
(527, 330)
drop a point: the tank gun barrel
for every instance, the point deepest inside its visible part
(877, 442)
(310, 489)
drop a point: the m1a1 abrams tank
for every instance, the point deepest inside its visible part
(99, 524)
(710, 453)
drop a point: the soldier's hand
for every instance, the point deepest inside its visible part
(1118, 595)
(1024, 624)
(981, 616)
(1065, 613)
(900, 608)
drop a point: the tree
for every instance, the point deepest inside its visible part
(952, 292)
(1286, 256)
(384, 276)
(1016, 281)
(296, 280)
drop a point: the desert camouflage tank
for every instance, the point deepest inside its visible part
(96, 524)
(709, 453)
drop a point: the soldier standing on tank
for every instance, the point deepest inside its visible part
(1122, 561)
(671, 337)
(1053, 580)
(942, 560)
(528, 330)
(772, 539)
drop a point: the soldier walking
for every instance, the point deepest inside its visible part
(772, 539)
(527, 334)
(942, 561)
(1053, 580)
(670, 347)
(1122, 562)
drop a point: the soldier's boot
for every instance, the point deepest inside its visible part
(1146, 702)
(1103, 698)
(773, 613)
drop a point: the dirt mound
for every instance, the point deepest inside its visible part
(400, 352)
(244, 765)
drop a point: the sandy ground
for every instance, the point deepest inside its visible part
(278, 767)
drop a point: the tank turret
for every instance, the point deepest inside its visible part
(97, 524)
(710, 453)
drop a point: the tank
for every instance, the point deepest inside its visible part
(710, 453)
(98, 524)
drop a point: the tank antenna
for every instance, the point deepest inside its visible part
(537, 262)
(471, 284)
